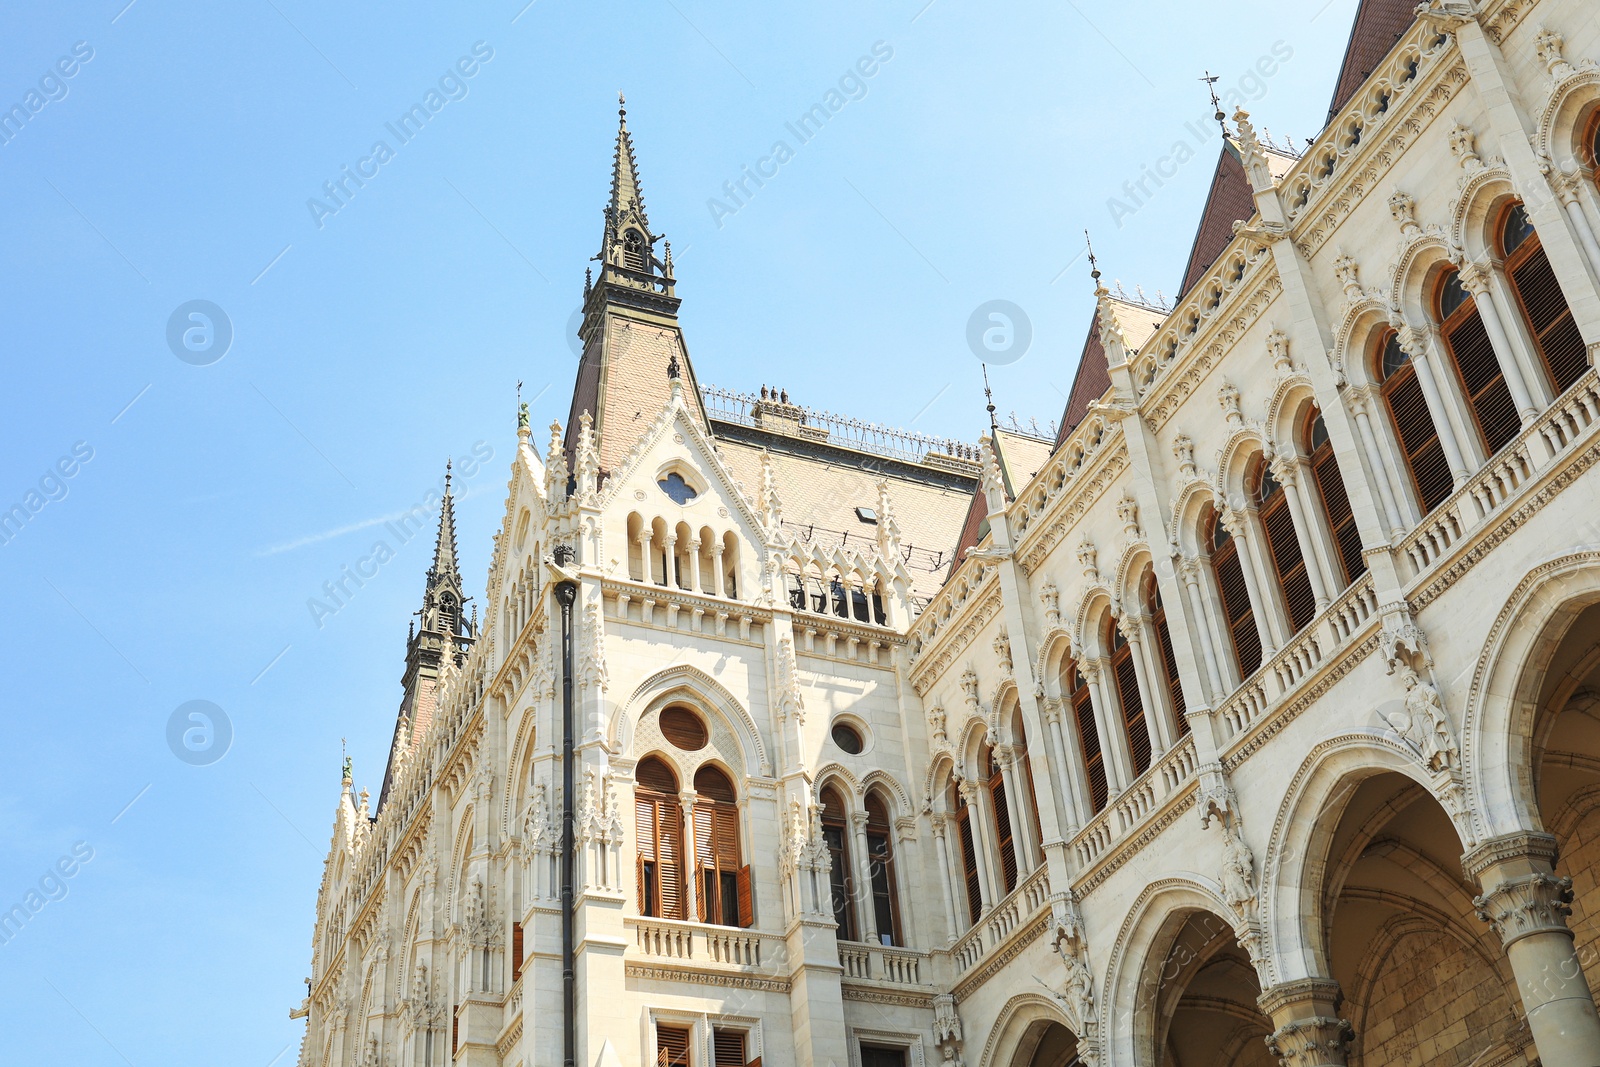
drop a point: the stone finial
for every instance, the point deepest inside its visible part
(1050, 596)
(1404, 210)
(1347, 271)
(1128, 512)
(1228, 397)
(1551, 47)
(1087, 558)
(1464, 146)
(1183, 452)
(1278, 348)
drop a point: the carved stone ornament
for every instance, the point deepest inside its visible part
(1002, 651)
(1314, 1042)
(1128, 512)
(1238, 871)
(1348, 271)
(936, 720)
(1551, 46)
(1421, 722)
(947, 1029)
(1278, 349)
(791, 704)
(1464, 146)
(1088, 558)
(1183, 451)
(1536, 904)
(1404, 210)
(1228, 397)
(1050, 596)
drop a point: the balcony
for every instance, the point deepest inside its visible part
(1005, 919)
(865, 962)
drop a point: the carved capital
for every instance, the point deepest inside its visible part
(1319, 1041)
(1522, 907)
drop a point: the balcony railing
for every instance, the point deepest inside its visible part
(1148, 793)
(1548, 438)
(1001, 921)
(863, 961)
(671, 939)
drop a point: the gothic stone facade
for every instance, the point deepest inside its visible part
(1256, 721)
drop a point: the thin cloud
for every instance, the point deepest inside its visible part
(364, 524)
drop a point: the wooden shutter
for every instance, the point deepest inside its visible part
(1133, 721)
(840, 879)
(727, 1047)
(1336, 506)
(1550, 320)
(1419, 440)
(516, 950)
(670, 862)
(1287, 563)
(1002, 819)
(1481, 378)
(969, 863)
(455, 1029)
(1236, 605)
(1169, 663)
(747, 907)
(672, 1046)
(683, 729)
(1089, 740)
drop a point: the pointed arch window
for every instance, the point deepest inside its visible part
(1483, 383)
(1094, 760)
(836, 833)
(1000, 808)
(880, 853)
(722, 883)
(1126, 673)
(969, 857)
(1336, 508)
(1544, 306)
(1024, 774)
(1235, 593)
(1413, 423)
(658, 825)
(635, 251)
(1150, 595)
(1283, 545)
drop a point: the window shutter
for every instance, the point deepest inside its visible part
(1132, 708)
(1169, 663)
(1549, 318)
(1236, 604)
(516, 950)
(727, 1047)
(1487, 393)
(1002, 829)
(1089, 741)
(969, 865)
(669, 863)
(455, 1031)
(672, 1046)
(747, 907)
(1287, 562)
(1336, 505)
(1413, 424)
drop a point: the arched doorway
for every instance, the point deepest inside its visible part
(1046, 1044)
(1202, 1002)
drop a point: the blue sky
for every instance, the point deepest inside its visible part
(185, 513)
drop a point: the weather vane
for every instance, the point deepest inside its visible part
(988, 395)
(1211, 86)
(1094, 264)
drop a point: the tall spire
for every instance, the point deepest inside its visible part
(626, 196)
(628, 248)
(444, 549)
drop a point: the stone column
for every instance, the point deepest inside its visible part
(716, 586)
(1054, 708)
(980, 845)
(647, 566)
(1311, 527)
(1475, 279)
(941, 826)
(1566, 185)
(1190, 572)
(1155, 698)
(1019, 799)
(1381, 470)
(691, 891)
(697, 577)
(1307, 1030)
(1113, 738)
(1287, 472)
(866, 918)
(1527, 904)
(1242, 530)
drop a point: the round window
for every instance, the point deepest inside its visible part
(848, 738)
(684, 729)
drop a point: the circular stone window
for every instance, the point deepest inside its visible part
(848, 738)
(684, 729)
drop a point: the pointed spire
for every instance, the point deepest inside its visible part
(444, 549)
(626, 196)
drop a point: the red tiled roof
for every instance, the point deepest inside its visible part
(1377, 24)
(1229, 200)
(1089, 383)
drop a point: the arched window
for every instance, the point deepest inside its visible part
(658, 823)
(1000, 807)
(1094, 759)
(1335, 501)
(723, 885)
(969, 857)
(1150, 595)
(1413, 423)
(1235, 596)
(1024, 774)
(1482, 381)
(1126, 674)
(635, 252)
(880, 851)
(1283, 545)
(836, 832)
(1544, 306)
(447, 613)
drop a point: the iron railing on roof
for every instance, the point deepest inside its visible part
(727, 405)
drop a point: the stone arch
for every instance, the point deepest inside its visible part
(1353, 338)
(519, 781)
(1476, 209)
(460, 858)
(1144, 943)
(693, 686)
(1130, 569)
(1096, 604)
(1187, 512)
(886, 783)
(1055, 647)
(1566, 113)
(1018, 1028)
(1502, 700)
(1290, 881)
(1283, 413)
(974, 736)
(936, 786)
(1002, 700)
(1420, 263)
(837, 775)
(1234, 459)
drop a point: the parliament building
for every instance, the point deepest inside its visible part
(1251, 718)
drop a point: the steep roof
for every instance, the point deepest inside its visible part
(1020, 456)
(1377, 25)
(1139, 322)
